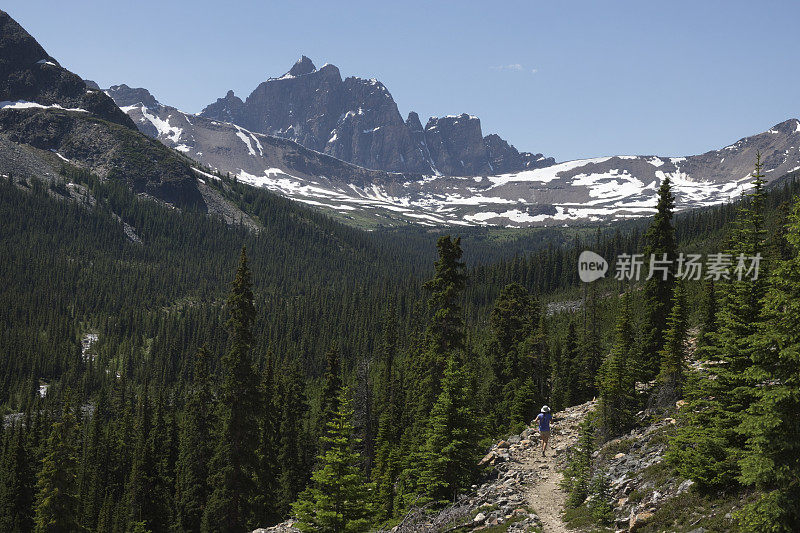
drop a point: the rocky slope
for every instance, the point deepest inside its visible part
(50, 119)
(357, 120)
(29, 75)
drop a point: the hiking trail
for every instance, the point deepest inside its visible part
(543, 491)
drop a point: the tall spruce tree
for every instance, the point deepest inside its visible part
(17, 482)
(672, 373)
(659, 244)
(194, 453)
(591, 349)
(389, 412)
(512, 320)
(57, 502)
(771, 424)
(446, 329)
(234, 464)
(387, 454)
(742, 299)
(565, 373)
(269, 468)
(291, 452)
(445, 332)
(710, 320)
(339, 499)
(146, 499)
(616, 381)
(707, 447)
(451, 449)
(332, 383)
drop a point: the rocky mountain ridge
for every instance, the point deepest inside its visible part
(357, 120)
(589, 190)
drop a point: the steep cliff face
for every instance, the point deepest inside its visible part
(504, 158)
(357, 120)
(456, 145)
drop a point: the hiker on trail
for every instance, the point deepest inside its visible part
(543, 420)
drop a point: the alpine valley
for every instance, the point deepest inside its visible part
(299, 312)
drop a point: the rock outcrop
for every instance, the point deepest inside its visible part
(357, 120)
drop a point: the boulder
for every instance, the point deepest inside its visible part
(684, 486)
(638, 519)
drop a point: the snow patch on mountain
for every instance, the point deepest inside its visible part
(23, 104)
(543, 175)
(162, 125)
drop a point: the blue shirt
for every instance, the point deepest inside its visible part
(544, 421)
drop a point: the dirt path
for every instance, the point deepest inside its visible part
(545, 495)
(544, 492)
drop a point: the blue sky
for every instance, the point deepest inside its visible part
(570, 79)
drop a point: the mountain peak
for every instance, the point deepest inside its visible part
(127, 96)
(29, 73)
(303, 66)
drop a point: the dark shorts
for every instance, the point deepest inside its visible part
(544, 434)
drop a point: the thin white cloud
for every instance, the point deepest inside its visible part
(517, 67)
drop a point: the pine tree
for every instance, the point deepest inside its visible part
(742, 305)
(672, 375)
(451, 450)
(706, 447)
(16, 484)
(57, 502)
(523, 403)
(291, 454)
(332, 383)
(339, 498)
(234, 463)
(709, 323)
(194, 453)
(659, 242)
(601, 494)
(269, 468)
(591, 350)
(387, 457)
(565, 375)
(578, 470)
(445, 331)
(390, 413)
(512, 319)
(616, 379)
(95, 464)
(771, 459)
(146, 498)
